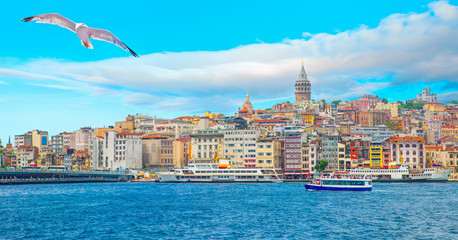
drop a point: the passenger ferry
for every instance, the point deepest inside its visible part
(337, 181)
(222, 173)
(403, 173)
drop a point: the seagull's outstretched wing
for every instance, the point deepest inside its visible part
(53, 18)
(107, 36)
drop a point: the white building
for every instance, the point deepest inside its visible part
(96, 152)
(205, 143)
(411, 149)
(122, 151)
(240, 146)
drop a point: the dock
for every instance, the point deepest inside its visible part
(22, 176)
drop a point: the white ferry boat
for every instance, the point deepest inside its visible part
(405, 174)
(338, 181)
(222, 173)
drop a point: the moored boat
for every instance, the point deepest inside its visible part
(403, 173)
(219, 172)
(338, 181)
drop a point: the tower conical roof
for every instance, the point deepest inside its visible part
(302, 74)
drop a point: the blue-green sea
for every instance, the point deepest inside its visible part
(227, 211)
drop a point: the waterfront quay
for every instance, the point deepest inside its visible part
(59, 176)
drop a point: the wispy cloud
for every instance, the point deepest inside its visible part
(3, 83)
(406, 48)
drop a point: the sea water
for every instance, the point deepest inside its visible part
(227, 211)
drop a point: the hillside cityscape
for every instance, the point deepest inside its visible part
(368, 132)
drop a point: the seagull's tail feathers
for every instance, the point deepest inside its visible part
(130, 50)
(87, 44)
(28, 19)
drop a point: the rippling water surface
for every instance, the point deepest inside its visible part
(228, 211)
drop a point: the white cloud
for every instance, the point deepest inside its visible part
(408, 48)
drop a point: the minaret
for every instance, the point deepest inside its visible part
(303, 88)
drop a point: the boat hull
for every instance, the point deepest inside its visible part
(329, 188)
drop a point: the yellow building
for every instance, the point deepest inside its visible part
(451, 131)
(46, 157)
(180, 152)
(434, 107)
(268, 153)
(284, 114)
(39, 139)
(393, 108)
(127, 125)
(375, 157)
(309, 117)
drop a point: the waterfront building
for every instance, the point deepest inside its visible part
(376, 156)
(240, 146)
(96, 153)
(205, 144)
(411, 149)
(180, 153)
(157, 151)
(23, 140)
(451, 160)
(345, 161)
(314, 155)
(122, 151)
(359, 151)
(329, 145)
(303, 88)
(268, 153)
(293, 151)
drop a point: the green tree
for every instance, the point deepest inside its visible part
(392, 125)
(420, 124)
(268, 109)
(335, 102)
(323, 100)
(384, 100)
(454, 102)
(321, 166)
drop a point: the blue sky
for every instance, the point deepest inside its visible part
(206, 55)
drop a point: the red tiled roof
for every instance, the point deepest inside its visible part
(434, 103)
(407, 138)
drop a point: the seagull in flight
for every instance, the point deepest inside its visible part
(84, 32)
